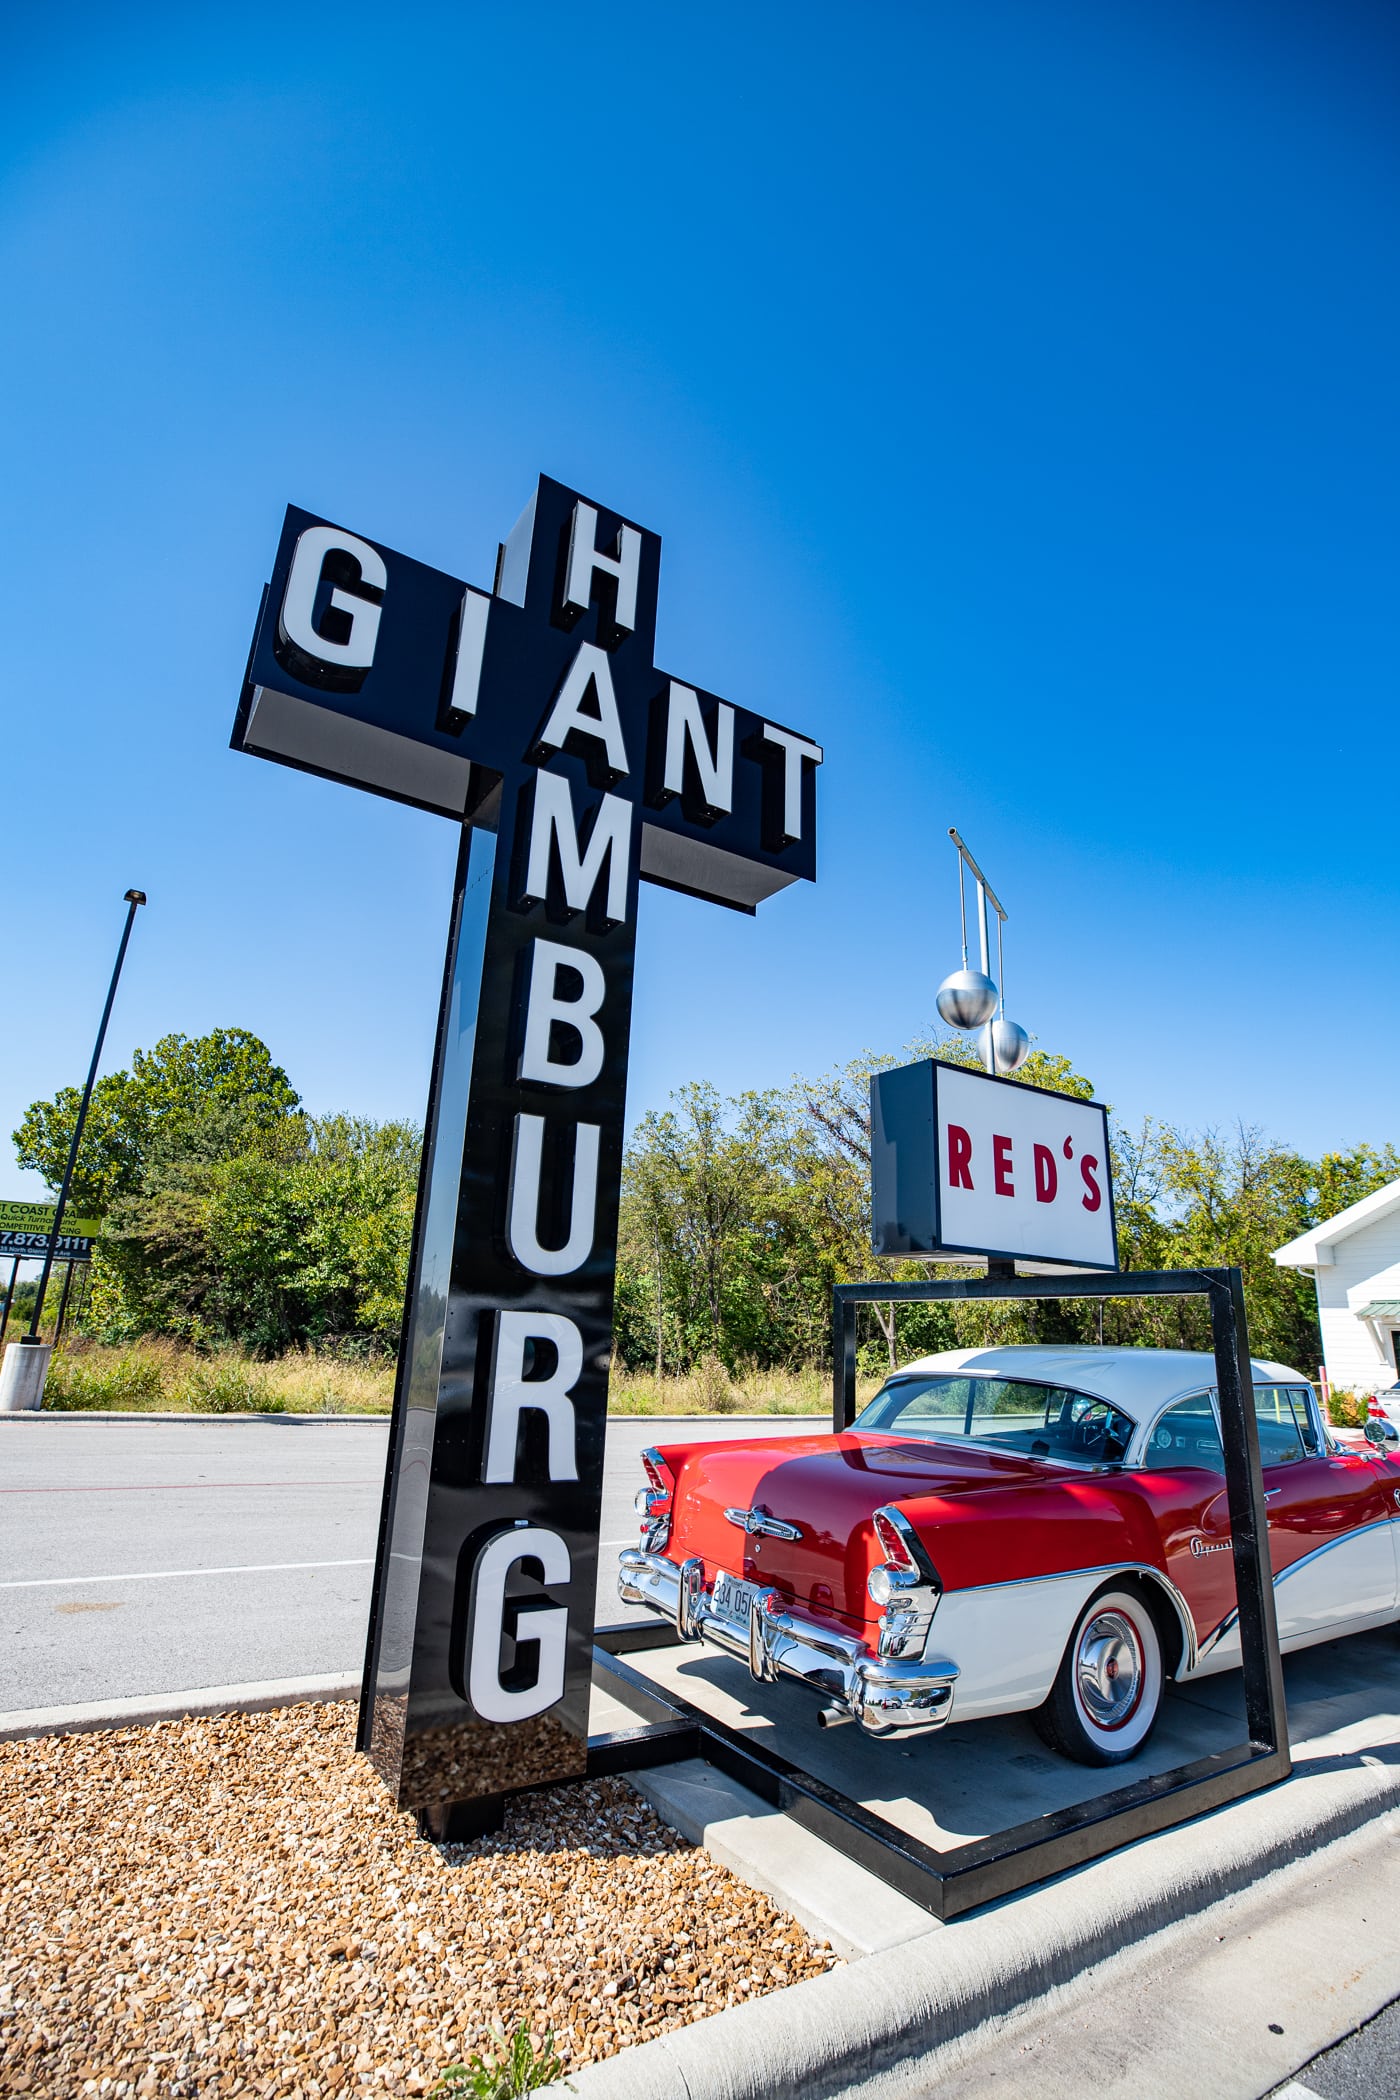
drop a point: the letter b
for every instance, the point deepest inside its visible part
(545, 1007)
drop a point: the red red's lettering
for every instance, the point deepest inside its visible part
(1001, 1166)
(1093, 1195)
(1046, 1178)
(959, 1158)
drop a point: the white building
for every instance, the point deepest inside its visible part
(1355, 1262)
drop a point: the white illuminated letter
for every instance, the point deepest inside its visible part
(527, 1157)
(684, 721)
(584, 558)
(299, 599)
(589, 670)
(794, 750)
(471, 645)
(545, 1006)
(610, 840)
(512, 1393)
(547, 1625)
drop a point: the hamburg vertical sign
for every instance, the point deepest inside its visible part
(534, 716)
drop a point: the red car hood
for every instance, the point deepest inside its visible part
(830, 1486)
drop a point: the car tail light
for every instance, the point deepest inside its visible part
(893, 1543)
(906, 1585)
(655, 1502)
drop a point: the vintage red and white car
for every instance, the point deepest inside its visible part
(1014, 1530)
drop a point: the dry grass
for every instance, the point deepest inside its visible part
(159, 1376)
(156, 1376)
(710, 1390)
(233, 1906)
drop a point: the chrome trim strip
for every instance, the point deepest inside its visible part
(1228, 1623)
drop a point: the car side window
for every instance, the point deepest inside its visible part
(1305, 1413)
(1187, 1436)
(1280, 1437)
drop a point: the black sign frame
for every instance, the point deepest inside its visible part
(958, 1880)
(535, 716)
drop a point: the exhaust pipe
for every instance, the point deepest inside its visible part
(833, 1717)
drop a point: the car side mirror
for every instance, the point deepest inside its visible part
(1381, 1433)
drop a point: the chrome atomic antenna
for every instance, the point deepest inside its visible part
(969, 999)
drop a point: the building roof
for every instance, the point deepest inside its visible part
(1313, 1250)
(1137, 1380)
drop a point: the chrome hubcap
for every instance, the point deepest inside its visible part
(1109, 1669)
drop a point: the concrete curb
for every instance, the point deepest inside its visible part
(152, 1414)
(114, 1414)
(823, 2038)
(145, 1710)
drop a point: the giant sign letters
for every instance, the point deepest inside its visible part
(533, 715)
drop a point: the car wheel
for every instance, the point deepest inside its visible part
(1107, 1692)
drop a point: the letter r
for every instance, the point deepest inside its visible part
(959, 1157)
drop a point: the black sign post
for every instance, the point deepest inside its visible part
(535, 716)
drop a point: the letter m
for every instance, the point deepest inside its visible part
(609, 841)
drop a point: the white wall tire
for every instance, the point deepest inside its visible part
(1107, 1693)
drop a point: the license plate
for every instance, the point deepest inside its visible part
(732, 1598)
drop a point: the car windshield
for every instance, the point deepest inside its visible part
(1043, 1421)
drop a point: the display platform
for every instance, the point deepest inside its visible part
(966, 1781)
(956, 1790)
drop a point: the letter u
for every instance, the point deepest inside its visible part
(523, 1217)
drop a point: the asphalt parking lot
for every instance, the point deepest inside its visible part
(166, 1555)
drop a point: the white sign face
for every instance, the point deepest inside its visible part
(1021, 1172)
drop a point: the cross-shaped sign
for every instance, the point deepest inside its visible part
(534, 714)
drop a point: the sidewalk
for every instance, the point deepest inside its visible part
(1082, 1984)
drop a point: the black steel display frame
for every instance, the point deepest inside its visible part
(964, 1877)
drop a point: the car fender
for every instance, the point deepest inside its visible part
(1019, 1565)
(1007, 1638)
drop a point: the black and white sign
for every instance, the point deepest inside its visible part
(963, 1163)
(534, 714)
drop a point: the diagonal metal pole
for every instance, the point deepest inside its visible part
(134, 900)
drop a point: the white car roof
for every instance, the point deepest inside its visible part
(1137, 1380)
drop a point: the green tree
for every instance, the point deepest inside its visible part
(231, 1215)
(204, 1095)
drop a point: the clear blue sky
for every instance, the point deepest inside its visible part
(1014, 387)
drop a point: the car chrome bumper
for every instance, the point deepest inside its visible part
(888, 1696)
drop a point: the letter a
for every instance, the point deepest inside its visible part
(590, 671)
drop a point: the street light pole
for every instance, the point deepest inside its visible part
(134, 900)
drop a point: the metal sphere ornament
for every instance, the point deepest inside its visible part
(1011, 1044)
(967, 999)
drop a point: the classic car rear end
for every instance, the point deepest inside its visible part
(1009, 1530)
(841, 1596)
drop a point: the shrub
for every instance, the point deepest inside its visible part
(1346, 1409)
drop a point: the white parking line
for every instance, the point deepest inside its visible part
(270, 1567)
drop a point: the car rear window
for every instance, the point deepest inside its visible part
(1043, 1421)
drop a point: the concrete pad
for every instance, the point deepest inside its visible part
(946, 1789)
(828, 1893)
(974, 1778)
